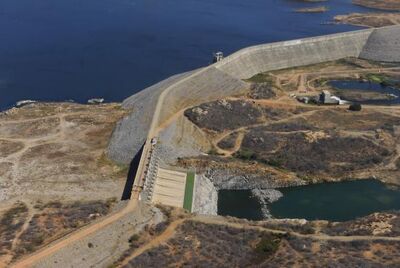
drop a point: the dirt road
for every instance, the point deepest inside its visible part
(164, 236)
(58, 245)
(170, 231)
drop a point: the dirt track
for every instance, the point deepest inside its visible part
(170, 231)
(60, 244)
(26, 262)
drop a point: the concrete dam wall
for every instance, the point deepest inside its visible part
(130, 133)
(383, 45)
(225, 78)
(250, 61)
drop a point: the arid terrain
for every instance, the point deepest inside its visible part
(203, 242)
(54, 174)
(369, 19)
(373, 19)
(270, 127)
(57, 179)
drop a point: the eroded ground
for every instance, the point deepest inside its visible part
(310, 142)
(54, 174)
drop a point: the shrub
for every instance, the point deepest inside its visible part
(134, 237)
(275, 162)
(267, 246)
(245, 154)
(213, 151)
(355, 107)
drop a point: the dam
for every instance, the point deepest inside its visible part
(157, 110)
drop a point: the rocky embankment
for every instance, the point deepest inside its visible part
(233, 175)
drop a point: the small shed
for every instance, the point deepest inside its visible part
(326, 98)
(218, 56)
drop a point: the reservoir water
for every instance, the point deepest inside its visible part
(372, 87)
(240, 204)
(326, 201)
(71, 49)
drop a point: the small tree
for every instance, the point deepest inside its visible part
(355, 107)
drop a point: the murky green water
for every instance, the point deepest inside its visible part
(239, 203)
(327, 201)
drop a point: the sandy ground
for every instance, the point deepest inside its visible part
(369, 19)
(379, 4)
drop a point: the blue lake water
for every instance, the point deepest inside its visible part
(74, 49)
(369, 86)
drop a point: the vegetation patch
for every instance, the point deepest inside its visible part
(267, 246)
(189, 186)
(10, 223)
(245, 154)
(379, 79)
(311, 153)
(262, 78)
(199, 244)
(56, 219)
(224, 114)
(262, 91)
(228, 142)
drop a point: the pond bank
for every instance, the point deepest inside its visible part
(334, 201)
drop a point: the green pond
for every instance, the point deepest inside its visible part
(339, 201)
(239, 204)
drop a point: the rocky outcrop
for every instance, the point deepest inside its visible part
(232, 180)
(265, 197)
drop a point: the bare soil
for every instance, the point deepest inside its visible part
(316, 143)
(369, 19)
(202, 241)
(54, 173)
